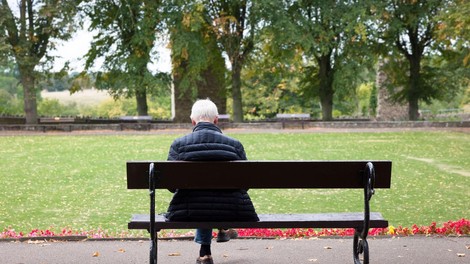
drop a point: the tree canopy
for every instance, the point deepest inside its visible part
(265, 57)
(417, 67)
(27, 33)
(330, 37)
(198, 66)
(126, 34)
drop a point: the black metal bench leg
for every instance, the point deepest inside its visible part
(152, 229)
(360, 246)
(153, 250)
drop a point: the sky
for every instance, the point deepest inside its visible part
(75, 49)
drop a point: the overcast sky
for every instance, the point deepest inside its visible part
(75, 49)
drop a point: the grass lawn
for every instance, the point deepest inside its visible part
(79, 181)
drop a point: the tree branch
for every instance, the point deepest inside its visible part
(9, 23)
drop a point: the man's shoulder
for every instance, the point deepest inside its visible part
(183, 138)
(206, 134)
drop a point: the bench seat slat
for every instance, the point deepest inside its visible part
(328, 220)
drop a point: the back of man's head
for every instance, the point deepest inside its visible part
(204, 110)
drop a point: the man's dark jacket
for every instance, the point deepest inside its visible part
(207, 143)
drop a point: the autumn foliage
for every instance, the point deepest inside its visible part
(458, 228)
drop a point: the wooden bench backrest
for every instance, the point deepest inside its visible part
(256, 174)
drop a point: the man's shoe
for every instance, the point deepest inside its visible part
(207, 259)
(225, 235)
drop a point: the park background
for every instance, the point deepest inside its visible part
(368, 61)
(255, 59)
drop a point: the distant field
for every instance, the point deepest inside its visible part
(79, 181)
(88, 97)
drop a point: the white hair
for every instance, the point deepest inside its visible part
(204, 110)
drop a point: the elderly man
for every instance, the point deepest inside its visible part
(207, 143)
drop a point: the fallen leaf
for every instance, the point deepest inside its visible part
(450, 250)
(468, 247)
(96, 254)
(327, 247)
(269, 247)
(225, 255)
(174, 254)
(121, 250)
(36, 241)
(312, 260)
(460, 255)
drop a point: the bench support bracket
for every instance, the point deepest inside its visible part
(360, 245)
(153, 233)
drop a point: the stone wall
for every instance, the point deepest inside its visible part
(273, 126)
(387, 110)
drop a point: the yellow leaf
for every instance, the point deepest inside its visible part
(187, 20)
(96, 254)
(466, 59)
(184, 54)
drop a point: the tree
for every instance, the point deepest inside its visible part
(230, 25)
(29, 35)
(126, 36)
(329, 36)
(198, 65)
(454, 29)
(234, 22)
(409, 33)
(270, 84)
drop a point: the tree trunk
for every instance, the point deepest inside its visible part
(326, 87)
(183, 96)
(30, 104)
(414, 87)
(236, 93)
(183, 103)
(141, 100)
(413, 109)
(213, 87)
(326, 108)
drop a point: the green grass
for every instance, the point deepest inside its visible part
(79, 181)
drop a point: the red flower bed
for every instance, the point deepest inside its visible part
(460, 227)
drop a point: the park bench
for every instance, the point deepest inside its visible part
(136, 118)
(44, 120)
(224, 117)
(293, 118)
(264, 175)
